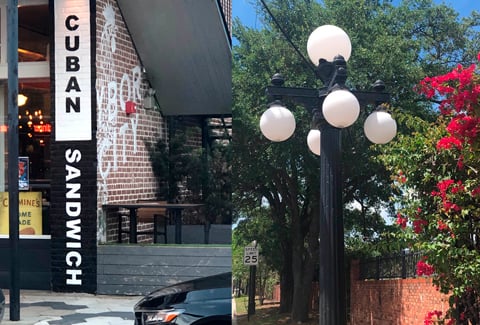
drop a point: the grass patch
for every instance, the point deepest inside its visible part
(241, 303)
(267, 314)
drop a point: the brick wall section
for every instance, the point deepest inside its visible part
(227, 12)
(392, 302)
(124, 169)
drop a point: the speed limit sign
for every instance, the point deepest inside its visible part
(250, 256)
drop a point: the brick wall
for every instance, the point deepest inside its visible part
(393, 302)
(227, 12)
(124, 169)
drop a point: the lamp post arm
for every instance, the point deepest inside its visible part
(307, 97)
(371, 97)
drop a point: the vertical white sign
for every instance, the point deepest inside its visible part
(73, 107)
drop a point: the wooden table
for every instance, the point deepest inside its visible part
(175, 209)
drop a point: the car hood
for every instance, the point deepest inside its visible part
(176, 293)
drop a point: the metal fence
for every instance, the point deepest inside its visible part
(402, 265)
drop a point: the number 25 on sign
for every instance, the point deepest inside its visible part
(250, 256)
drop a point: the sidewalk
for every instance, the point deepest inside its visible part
(54, 308)
(234, 311)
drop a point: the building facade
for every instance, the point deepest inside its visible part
(93, 103)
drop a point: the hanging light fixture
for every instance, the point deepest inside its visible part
(22, 99)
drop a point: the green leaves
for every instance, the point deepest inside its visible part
(400, 45)
(442, 178)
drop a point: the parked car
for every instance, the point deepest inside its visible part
(2, 305)
(202, 301)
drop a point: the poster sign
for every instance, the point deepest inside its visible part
(23, 174)
(73, 76)
(30, 213)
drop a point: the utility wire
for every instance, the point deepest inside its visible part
(309, 64)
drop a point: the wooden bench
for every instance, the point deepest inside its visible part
(156, 216)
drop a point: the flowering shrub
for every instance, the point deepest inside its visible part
(401, 221)
(439, 185)
(424, 269)
(435, 317)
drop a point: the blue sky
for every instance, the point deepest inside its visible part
(244, 9)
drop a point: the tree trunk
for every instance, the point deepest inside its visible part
(286, 286)
(302, 295)
(303, 273)
(305, 256)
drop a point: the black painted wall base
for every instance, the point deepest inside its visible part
(35, 264)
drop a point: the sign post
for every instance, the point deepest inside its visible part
(12, 60)
(250, 257)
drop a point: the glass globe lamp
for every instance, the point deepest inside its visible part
(341, 108)
(326, 42)
(380, 127)
(277, 123)
(313, 141)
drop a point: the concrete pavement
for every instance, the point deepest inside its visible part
(234, 311)
(54, 308)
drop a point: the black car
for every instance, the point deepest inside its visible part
(202, 301)
(2, 305)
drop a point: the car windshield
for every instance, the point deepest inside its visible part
(210, 294)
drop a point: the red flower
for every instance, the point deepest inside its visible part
(449, 206)
(464, 128)
(418, 225)
(458, 187)
(449, 142)
(476, 191)
(424, 268)
(430, 315)
(444, 185)
(442, 226)
(401, 221)
(460, 164)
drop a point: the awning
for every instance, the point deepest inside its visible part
(185, 49)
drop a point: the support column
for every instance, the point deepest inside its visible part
(332, 309)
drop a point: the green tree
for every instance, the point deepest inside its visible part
(201, 174)
(261, 229)
(173, 163)
(389, 43)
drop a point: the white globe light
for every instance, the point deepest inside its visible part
(313, 141)
(328, 41)
(341, 108)
(277, 123)
(380, 127)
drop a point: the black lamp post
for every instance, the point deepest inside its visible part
(333, 107)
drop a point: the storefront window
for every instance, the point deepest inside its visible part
(34, 120)
(34, 130)
(33, 33)
(34, 123)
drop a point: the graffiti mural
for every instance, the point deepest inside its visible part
(112, 94)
